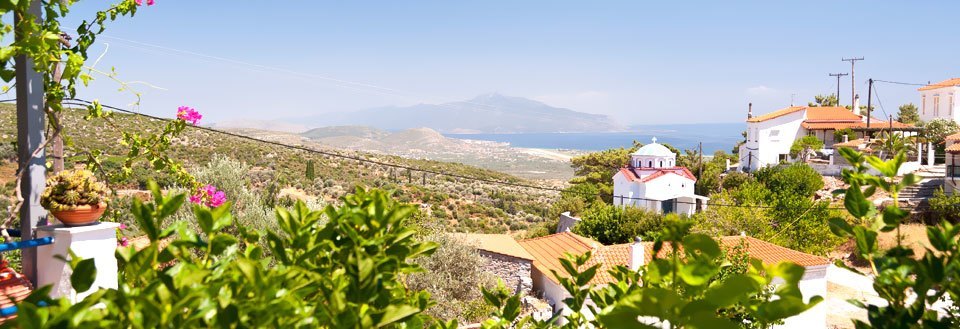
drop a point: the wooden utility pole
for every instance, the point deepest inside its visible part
(853, 79)
(869, 104)
(838, 75)
(30, 128)
(58, 138)
(700, 175)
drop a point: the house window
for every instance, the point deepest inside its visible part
(950, 109)
(661, 163)
(783, 158)
(923, 104)
(650, 164)
(775, 133)
(936, 105)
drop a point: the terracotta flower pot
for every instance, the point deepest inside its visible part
(80, 215)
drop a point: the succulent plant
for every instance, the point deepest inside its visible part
(70, 188)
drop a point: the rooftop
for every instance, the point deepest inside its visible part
(654, 149)
(547, 251)
(496, 243)
(644, 175)
(942, 84)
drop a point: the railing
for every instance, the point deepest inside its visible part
(33, 243)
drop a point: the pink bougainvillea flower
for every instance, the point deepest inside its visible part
(123, 226)
(149, 2)
(188, 114)
(140, 2)
(124, 242)
(209, 196)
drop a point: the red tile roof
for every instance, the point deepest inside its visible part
(776, 114)
(954, 137)
(955, 148)
(633, 174)
(548, 249)
(945, 83)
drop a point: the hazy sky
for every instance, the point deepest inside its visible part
(637, 61)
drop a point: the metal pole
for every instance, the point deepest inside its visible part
(838, 75)
(30, 127)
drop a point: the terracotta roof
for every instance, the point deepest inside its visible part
(831, 114)
(496, 243)
(945, 83)
(954, 137)
(616, 255)
(634, 174)
(852, 125)
(548, 250)
(955, 148)
(776, 114)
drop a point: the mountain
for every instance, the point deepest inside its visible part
(271, 125)
(489, 113)
(339, 131)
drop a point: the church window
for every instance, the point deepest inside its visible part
(650, 164)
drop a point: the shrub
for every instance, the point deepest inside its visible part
(735, 179)
(231, 177)
(944, 207)
(796, 179)
(453, 277)
(610, 224)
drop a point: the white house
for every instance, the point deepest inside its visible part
(653, 180)
(770, 136)
(549, 249)
(938, 101)
(951, 181)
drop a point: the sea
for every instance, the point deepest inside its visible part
(714, 136)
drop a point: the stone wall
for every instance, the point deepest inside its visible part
(515, 272)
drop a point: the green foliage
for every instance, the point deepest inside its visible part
(598, 168)
(908, 114)
(805, 146)
(311, 175)
(345, 272)
(838, 134)
(909, 283)
(778, 207)
(453, 275)
(945, 208)
(610, 224)
(821, 100)
(796, 179)
(735, 179)
(71, 188)
(937, 130)
(233, 178)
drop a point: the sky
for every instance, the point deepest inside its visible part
(640, 62)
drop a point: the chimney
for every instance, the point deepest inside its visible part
(636, 254)
(749, 111)
(856, 104)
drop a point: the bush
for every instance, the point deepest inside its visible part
(796, 179)
(453, 277)
(735, 179)
(231, 177)
(610, 224)
(944, 207)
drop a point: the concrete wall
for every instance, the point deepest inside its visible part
(515, 272)
(768, 139)
(927, 106)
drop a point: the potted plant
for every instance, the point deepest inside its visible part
(75, 197)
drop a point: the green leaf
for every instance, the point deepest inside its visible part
(83, 275)
(221, 242)
(856, 203)
(731, 290)
(840, 227)
(395, 313)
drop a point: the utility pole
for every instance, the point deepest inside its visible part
(30, 127)
(58, 138)
(869, 100)
(838, 75)
(853, 78)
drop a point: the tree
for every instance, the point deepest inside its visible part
(821, 100)
(838, 135)
(908, 114)
(311, 175)
(804, 147)
(937, 130)
(610, 224)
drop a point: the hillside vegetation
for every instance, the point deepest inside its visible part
(462, 205)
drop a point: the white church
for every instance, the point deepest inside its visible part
(653, 180)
